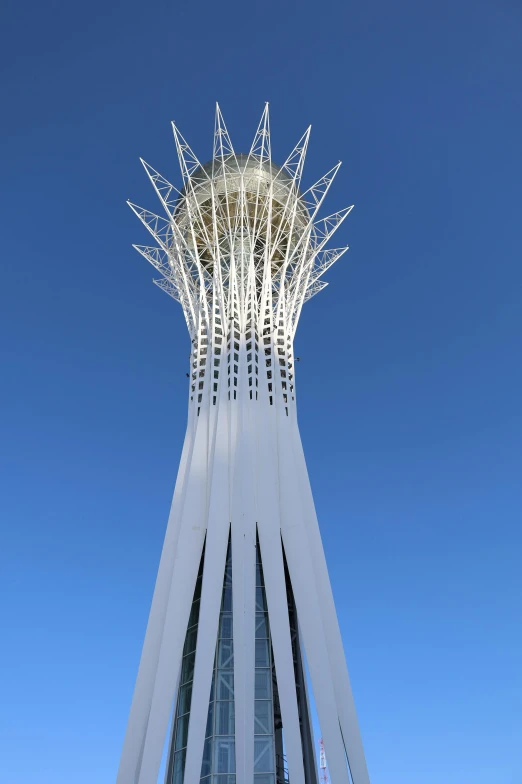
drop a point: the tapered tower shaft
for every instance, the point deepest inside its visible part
(243, 623)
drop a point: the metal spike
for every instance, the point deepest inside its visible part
(261, 149)
(163, 188)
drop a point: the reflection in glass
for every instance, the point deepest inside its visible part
(263, 754)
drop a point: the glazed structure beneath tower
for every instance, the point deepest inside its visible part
(243, 623)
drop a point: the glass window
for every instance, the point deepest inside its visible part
(190, 640)
(224, 755)
(225, 718)
(263, 778)
(185, 695)
(179, 767)
(226, 605)
(182, 731)
(210, 724)
(194, 614)
(226, 626)
(261, 625)
(264, 755)
(224, 779)
(187, 668)
(225, 686)
(263, 717)
(225, 659)
(206, 763)
(260, 599)
(263, 682)
(228, 575)
(262, 653)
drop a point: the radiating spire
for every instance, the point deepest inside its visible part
(294, 164)
(158, 226)
(223, 148)
(188, 161)
(260, 149)
(167, 193)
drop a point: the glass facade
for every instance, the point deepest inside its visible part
(264, 750)
(219, 764)
(219, 754)
(176, 765)
(302, 703)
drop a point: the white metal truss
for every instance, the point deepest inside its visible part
(241, 248)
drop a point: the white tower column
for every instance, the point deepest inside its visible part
(242, 593)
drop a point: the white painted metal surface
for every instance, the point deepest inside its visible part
(242, 248)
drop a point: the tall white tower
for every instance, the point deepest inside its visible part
(242, 622)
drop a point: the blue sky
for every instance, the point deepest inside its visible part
(410, 375)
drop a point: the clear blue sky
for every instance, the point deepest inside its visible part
(410, 375)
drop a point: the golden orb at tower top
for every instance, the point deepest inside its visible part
(251, 199)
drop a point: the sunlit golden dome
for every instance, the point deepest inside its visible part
(258, 198)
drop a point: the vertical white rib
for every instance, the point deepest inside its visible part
(188, 556)
(269, 530)
(344, 697)
(142, 698)
(180, 600)
(216, 546)
(300, 566)
(307, 698)
(243, 589)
